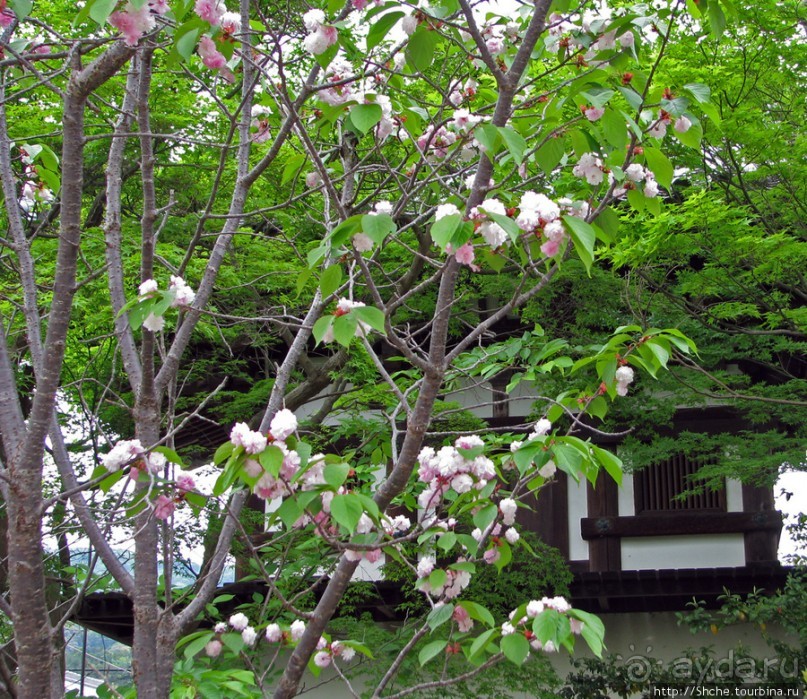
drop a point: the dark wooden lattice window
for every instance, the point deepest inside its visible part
(660, 486)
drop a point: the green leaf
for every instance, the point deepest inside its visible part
(699, 91)
(339, 235)
(344, 328)
(490, 137)
(292, 167)
(467, 566)
(437, 578)
(439, 616)
(637, 200)
(514, 141)
(365, 116)
(483, 517)
(712, 112)
(234, 641)
(369, 505)
(420, 48)
(447, 541)
(515, 647)
(660, 165)
(717, 20)
(49, 159)
(443, 230)
(634, 98)
(568, 459)
(692, 136)
(106, 484)
(598, 407)
(22, 8)
(223, 453)
(139, 312)
(478, 612)
(593, 630)
(271, 459)
(335, 474)
(330, 280)
(610, 462)
(550, 154)
(481, 642)
(289, 512)
(505, 556)
(380, 28)
(377, 227)
(321, 327)
(583, 237)
(197, 644)
(186, 37)
(101, 9)
(374, 317)
(614, 129)
(316, 255)
(660, 352)
(431, 650)
(324, 59)
(346, 510)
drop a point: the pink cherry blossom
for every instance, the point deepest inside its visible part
(209, 10)
(283, 424)
(492, 555)
(163, 507)
(463, 619)
(213, 648)
(550, 248)
(465, 255)
(132, 23)
(593, 113)
(185, 483)
(682, 124)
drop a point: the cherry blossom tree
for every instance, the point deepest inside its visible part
(407, 151)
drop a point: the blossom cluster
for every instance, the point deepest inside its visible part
(181, 296)
(434, 143)
(275, 633)
(345, 306)
(321, 36)
(339, 73)
(125, 451)
(133, 22)
(449, 468)
(33, 189)
(361, 241)
(131, 452)
(282, 426)
(454, 583)
(213, 58)
(521, 623)
(624, 377)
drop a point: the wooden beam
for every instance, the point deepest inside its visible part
(597, 529)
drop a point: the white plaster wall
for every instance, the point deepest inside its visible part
(627, 505)
(521, 399)
(640, 635)
(476, 399)
(578, 508)
(734, 496)
(701, 551)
